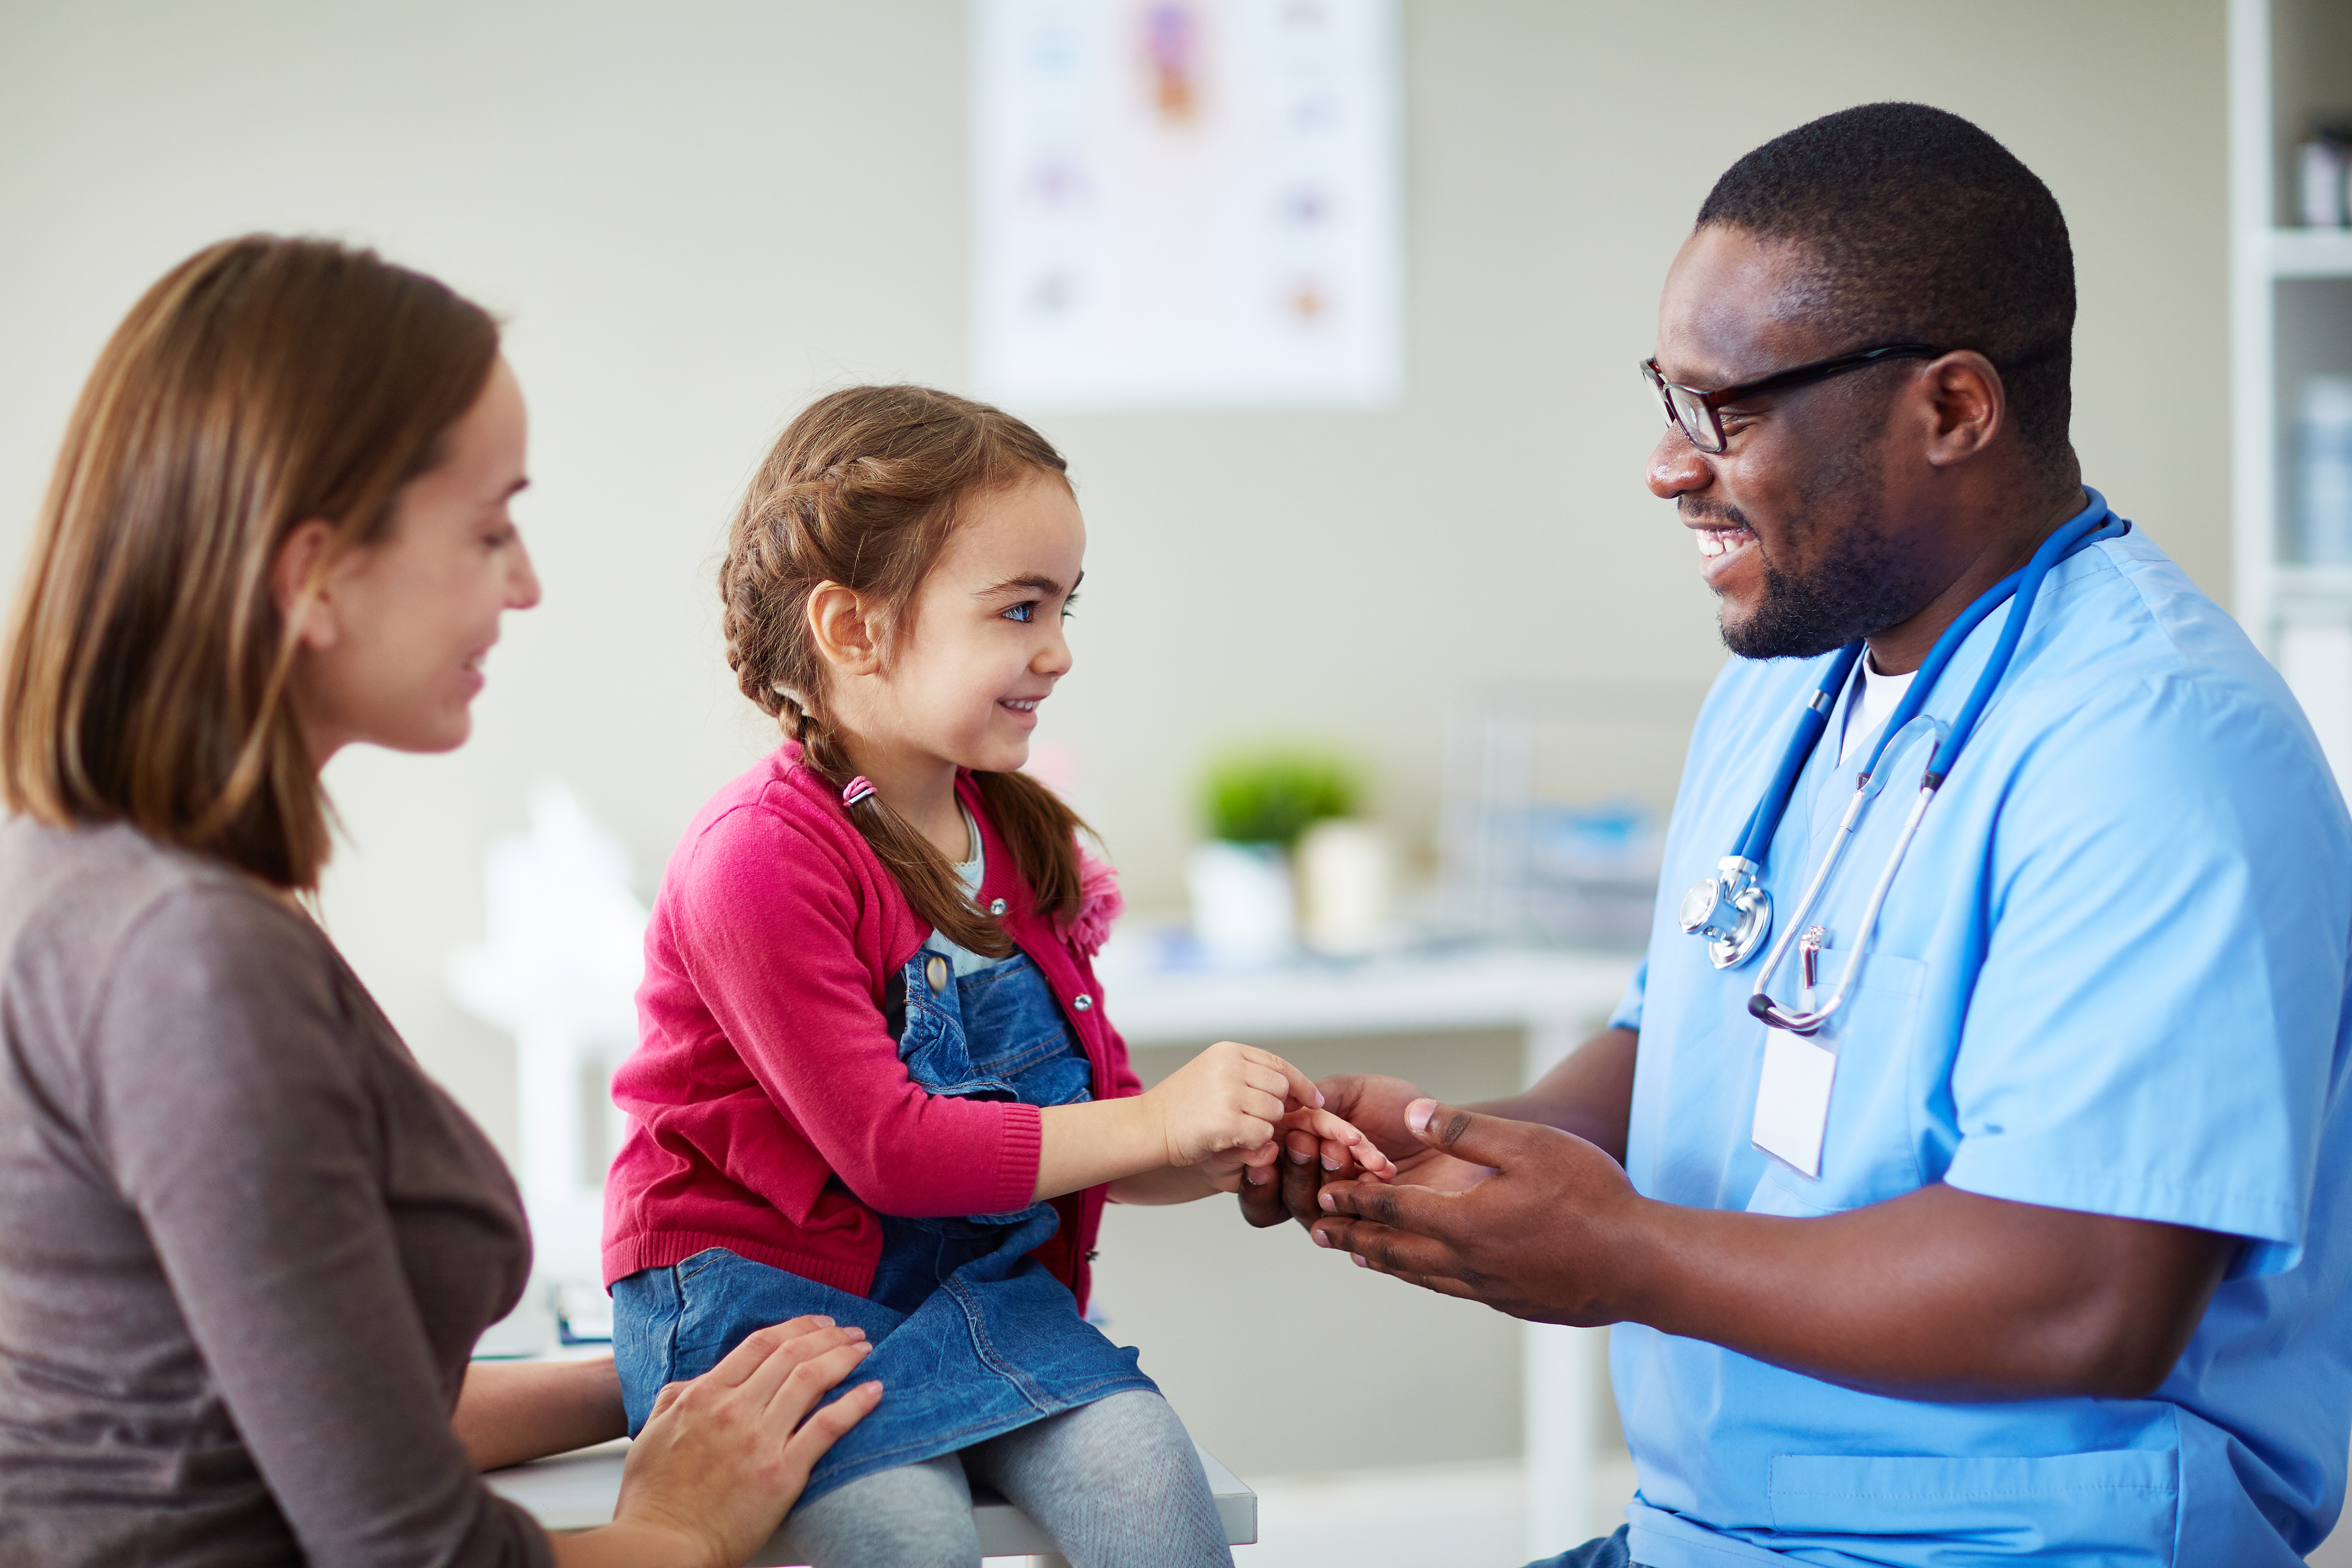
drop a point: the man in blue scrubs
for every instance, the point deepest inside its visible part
(2058, 1269)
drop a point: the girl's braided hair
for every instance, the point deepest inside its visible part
(863, 489)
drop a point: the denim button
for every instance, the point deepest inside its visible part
(935, 973)
(1082, 1002)
(996, 906)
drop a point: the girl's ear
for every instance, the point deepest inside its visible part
(843, 630)
(297, 582)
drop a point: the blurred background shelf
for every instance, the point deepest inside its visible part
(2310, 252)
(2291, 344)
(1555, 996)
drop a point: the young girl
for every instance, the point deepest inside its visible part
(875, 1082)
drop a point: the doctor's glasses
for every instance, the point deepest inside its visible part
(1694, 410)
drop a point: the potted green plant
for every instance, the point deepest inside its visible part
(1256, 805)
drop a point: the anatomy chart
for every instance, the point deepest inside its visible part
(1186, 203)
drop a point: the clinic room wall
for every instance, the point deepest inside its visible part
(694, 218)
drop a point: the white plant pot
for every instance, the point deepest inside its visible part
(1347, 881)
(1243, 914)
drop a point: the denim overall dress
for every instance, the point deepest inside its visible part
(971, 1336)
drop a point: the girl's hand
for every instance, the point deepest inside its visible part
(724, 1457)
(1345, 1148)
(1228, 1098)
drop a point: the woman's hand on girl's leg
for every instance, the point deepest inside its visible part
(723, 1458)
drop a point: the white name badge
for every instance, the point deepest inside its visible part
(1792, 1100)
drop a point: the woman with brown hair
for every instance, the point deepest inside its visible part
(245, 1245)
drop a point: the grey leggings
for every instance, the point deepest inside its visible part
(1115, 1483)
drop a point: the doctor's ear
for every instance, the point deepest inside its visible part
(1966, 407)
(299, 578)
(841, 623)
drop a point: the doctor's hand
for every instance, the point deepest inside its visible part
(1377, 1105)
(1540, 1238)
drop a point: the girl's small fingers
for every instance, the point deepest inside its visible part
(1343, 1139)
(1339, 1129)
(1265, 1080)
(1362, 1151)
(1297, 1086)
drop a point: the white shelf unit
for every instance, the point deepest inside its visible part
(2291, 317)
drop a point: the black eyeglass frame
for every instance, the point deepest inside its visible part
(1703, 403)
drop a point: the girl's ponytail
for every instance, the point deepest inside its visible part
(862, 489)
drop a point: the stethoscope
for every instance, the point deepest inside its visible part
(1732, 910)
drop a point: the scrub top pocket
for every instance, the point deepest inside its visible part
(1870, 1153)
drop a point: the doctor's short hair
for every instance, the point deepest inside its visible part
(1923, 229)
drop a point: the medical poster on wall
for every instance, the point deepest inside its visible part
(1187, 204)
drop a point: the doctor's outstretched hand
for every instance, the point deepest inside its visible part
(1536, 1238)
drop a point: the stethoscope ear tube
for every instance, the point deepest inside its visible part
(1732, 910)
(1812, 720)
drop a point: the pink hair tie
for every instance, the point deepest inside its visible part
(856, 790)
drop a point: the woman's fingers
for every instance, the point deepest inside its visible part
(785, 1361)
(804, 1384)
(747, 1357)
(722, 1462)
(821, 1431)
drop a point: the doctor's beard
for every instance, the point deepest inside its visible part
(1856, 590)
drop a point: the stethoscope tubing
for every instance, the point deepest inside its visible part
(2020, 589)
(1812, 720)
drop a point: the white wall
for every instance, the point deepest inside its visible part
(695, 216)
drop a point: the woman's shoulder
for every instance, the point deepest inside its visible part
(81, 893)
(106, 933)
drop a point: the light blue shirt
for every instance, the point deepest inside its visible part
(2110, 978)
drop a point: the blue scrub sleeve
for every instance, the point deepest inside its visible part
(1627, 1014)
(2153, 1029)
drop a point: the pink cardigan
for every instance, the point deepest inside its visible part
(769, 1111)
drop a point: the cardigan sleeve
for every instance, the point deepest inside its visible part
(783, 946)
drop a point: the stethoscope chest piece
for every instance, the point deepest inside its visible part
(1731, 909)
